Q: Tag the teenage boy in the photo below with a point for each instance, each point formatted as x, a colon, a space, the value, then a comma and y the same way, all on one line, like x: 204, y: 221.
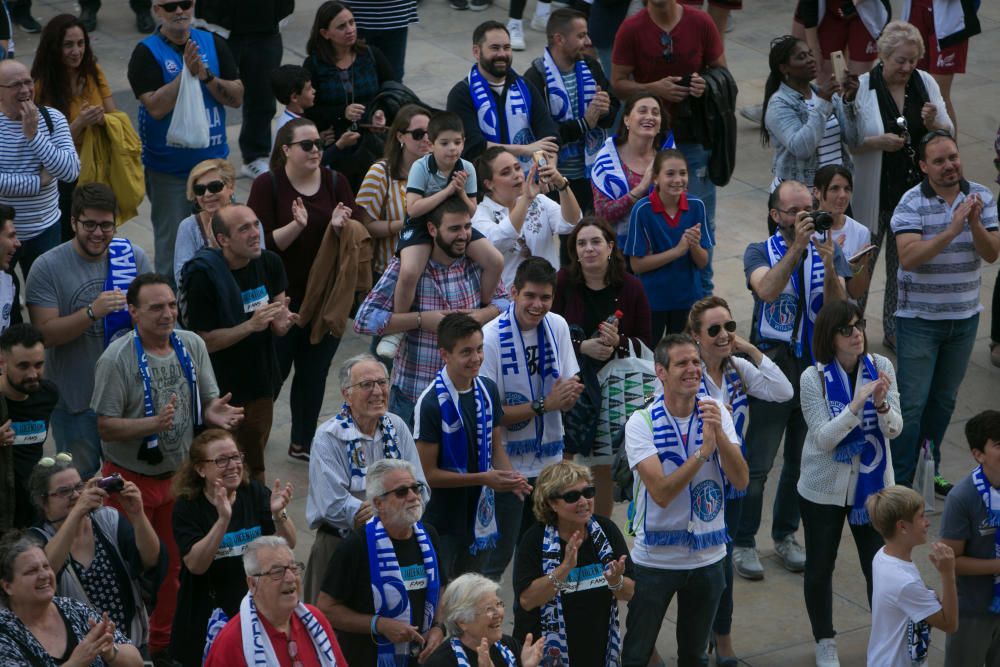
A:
x: 903, y: 609
x: 440, y: 174
x: 970, y: 525
x: 456, y: 426
x: 292, y: 86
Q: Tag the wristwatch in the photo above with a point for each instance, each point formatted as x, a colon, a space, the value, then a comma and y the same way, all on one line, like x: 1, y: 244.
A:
x: 281, y: 518
x: 209, y: 77
x: 90, y: 312
x: 538, y: 405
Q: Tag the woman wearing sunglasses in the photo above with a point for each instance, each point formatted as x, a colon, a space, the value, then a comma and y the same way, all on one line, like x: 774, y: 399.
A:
x: 219, y: 511
x: 850, y: 403
x: 570, y: 572
x: 97, y: 553
x: 734, y: 380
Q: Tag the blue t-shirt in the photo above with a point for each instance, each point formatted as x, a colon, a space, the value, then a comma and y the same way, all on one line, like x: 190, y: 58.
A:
x: 425, y: 179
x: 677, y: 285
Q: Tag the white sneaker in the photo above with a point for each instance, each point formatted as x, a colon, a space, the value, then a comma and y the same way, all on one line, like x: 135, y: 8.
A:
x: 753, y: 113
x: 388, y: 346
x: 826, y: 653
x: 793, y: 556
x: 540, y: 22
x: 516, y: 30
x: 254, y: 169
x: 747, y: 564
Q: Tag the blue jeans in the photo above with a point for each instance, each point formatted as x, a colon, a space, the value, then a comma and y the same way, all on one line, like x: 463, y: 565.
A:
x: 931, y: 357
x: 697, y: 591
x: 168, y: 205
x: 702, y: 187
x: 401, y: 406
x: 392, y: 44
x: 256, y: 56
x: 76, y: 433
x: 514, y: 516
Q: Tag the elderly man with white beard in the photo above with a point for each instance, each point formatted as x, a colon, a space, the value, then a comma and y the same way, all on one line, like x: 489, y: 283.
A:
x: 383, y: 571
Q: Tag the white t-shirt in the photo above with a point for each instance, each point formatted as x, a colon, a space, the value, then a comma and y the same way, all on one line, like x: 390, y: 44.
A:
x: 855, y: 237
x: 901, y: 602
x: 639, y: 447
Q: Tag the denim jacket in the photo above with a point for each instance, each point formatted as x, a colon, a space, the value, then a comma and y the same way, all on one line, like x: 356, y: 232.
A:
x: 796, y: 132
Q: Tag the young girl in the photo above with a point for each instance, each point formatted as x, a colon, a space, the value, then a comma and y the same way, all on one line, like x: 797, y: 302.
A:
x: 832, y: 188
x: 668, y: 242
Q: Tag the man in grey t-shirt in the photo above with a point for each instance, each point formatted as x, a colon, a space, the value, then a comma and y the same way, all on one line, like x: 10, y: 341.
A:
x: 69, y: 302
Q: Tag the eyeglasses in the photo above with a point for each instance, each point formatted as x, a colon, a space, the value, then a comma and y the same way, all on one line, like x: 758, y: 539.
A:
x: 791, y: 211
x: 716, y: 329
x: 368, y: 385
x: 171, y: 7
x: 61, y: 457
x: 226, y: 461
x: 23, y: 83
x: 417, y: 134
x: 215, y: 187
x: 846, y: 331
x: 571, y: 497
x: 934, y: 134
x: 90, y: 225
x: 403, y: 491
x: 308, y: 145
x: 667, y: 42
x: 293, y: 653
x: 277, y: 573
x: 67, y: 491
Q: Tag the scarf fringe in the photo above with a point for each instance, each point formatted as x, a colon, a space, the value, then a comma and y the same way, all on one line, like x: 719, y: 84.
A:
x: 545, y: 450
x: 733, y: 493
x: 483, y: 544
x: 387, y: 661
x: 847, y: 451
x: 993, y: 518
x: 682, y: 538
x: 859, y: 517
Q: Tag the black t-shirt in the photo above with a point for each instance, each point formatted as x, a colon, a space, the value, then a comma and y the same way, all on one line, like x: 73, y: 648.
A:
x: 444, y: 656
x: 248, y: 369
x: 224, y: 584
x: 348, y: 580
x: 30, y: 421
x: 146, y: 76
x: 451, y: 509
x: 587, y: 610
x: 597, y: 305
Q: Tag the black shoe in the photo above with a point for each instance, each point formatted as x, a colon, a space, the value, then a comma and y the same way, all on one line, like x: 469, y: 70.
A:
x: 27, y: 22
x: 88, y: 17
x: 460, y: 4
x: 144, y: 22
x: 298, y: 452
x: 942, y: 487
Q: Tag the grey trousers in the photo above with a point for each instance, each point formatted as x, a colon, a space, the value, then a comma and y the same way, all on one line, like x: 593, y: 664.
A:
x: 319, y: 558
x: 975, y: 644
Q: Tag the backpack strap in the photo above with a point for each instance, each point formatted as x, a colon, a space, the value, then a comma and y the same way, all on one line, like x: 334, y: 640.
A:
x: 47, y: 117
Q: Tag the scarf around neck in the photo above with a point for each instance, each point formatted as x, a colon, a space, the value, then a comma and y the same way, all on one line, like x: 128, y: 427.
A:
x: 607, y: 173
x: 991, y: 501
x: 349, y: 433
x: 149, y: 451
x: 257, y: 648
x: 517, y: 113
x: 463, y: 660
x: 778, y: 318
x: 564, y: 109
x: 736, y: 396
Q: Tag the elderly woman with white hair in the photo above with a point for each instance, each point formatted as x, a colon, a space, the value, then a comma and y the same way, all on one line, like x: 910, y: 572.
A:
x: 344, y: 446
x: 473, y: 614
x: 896, y: 105
x: 274, y: 626
x: 383, y: 585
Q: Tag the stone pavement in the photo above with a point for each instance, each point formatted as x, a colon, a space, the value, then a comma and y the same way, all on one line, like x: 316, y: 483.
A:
x: 770, y: 626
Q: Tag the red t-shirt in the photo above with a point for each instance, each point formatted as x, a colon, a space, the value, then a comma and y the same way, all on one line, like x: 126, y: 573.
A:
x: 695, y: 42
x: 227, y: 649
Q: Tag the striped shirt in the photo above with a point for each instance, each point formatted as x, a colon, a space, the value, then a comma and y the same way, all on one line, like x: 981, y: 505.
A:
x: 383, y: 198
x: 384, y: 14
x: 21, y: 162
x: 828, y: 151
x: 946, y: 287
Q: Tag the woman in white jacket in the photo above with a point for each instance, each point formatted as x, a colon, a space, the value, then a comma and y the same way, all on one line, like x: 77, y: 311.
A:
x: 895, y: 106
x: 850, y: 404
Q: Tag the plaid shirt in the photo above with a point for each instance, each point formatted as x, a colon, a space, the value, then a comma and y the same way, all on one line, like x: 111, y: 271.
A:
x: 441, y: 287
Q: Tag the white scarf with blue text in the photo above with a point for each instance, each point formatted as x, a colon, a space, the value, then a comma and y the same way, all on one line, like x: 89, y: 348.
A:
x: 607, y: 173
x: 517, y: 113
x: 348, y: 432
x: 257, y: 648
x: 562, y: 108
x: 991, y: 500
x: 463, y: 660
x: 735, y: 396
x: 778, y: 318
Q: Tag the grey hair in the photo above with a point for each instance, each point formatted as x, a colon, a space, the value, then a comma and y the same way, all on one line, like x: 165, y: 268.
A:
x: 251, y: 562
x: 345, y: 369
x: 896, y: 34
x: 13, y: 545
x: 374, y: 479
x: 460, y: 599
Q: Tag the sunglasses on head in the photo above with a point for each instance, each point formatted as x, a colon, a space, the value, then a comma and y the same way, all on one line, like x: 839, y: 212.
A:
x: 308, y: 145
x: 215, y: 187
x: 847, y: 330
x: 571, y: 497
x: 716, y: 329
x: 403, y: 491
x: 417, y: 134
x: 171, y: 7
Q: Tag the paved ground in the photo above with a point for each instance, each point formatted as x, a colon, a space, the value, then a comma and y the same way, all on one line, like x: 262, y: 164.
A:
x: 771, y: 627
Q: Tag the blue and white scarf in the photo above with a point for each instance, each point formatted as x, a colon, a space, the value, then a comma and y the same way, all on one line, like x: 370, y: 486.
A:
x: 991, y: 500
x: 553, y: 621
x: 257, y: 648
x: 545, y: 439
x: 562, y: 108
x: 865, y: 440
x: 455, y: 448
x: 121, y: 272
x: 463, y: 660
x: 348, y: 432
x: 607, y: 173
x: 736, y: 396
x: 777, y: 318
x: 701, y: 524
x: 517, y: 113
x: 389, y: 590
x: 151, y: 443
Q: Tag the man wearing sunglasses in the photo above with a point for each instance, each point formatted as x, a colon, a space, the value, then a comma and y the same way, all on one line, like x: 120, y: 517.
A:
x: 154, y: 74
x: 76, y: 298
x: 945, y: 227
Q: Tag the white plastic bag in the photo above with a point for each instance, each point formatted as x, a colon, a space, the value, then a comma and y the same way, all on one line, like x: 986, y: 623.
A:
x: 189, y: 123
x: 923, y: 478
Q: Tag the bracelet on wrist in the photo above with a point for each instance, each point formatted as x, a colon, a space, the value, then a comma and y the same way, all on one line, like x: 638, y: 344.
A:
x: 617, y: 587
x: 558, y: 584
x: 280, y: 518
x: 701, y: 457
x: 418, y: 319
x: 882, y: 408
x: 371, y: 626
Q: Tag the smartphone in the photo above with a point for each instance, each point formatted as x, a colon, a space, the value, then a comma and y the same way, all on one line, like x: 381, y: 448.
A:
x: 839, y: 66
x: 540, y: 159
x: 861, y: 253
x: 685, y: 81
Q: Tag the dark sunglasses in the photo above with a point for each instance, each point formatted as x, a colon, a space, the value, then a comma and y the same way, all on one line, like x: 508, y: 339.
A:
x: 215, y: 187
x: 571, y: 497
x: 934, y: 134
x: 846, y: 331
x: 667, y: 42
x: 417, y: 134
x: 716, y: 329
x: 308, y: 145
x: 403, y: 491
x: 171, y: 7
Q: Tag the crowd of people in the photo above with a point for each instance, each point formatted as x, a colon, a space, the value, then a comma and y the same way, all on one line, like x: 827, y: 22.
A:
x: 515, y: 387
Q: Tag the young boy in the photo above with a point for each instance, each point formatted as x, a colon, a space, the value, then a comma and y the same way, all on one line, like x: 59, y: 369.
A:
x: 903, y: 609
x: 970, y: 526
x: 292, y: 87
x: 433, y: 179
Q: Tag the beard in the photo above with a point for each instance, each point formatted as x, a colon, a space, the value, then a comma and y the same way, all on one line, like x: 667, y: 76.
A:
x: 28, y: 387
x: 449, y: 248
x: 489, y: 66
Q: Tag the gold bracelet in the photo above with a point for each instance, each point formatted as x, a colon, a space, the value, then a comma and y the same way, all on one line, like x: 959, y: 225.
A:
x: 418, y: 319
